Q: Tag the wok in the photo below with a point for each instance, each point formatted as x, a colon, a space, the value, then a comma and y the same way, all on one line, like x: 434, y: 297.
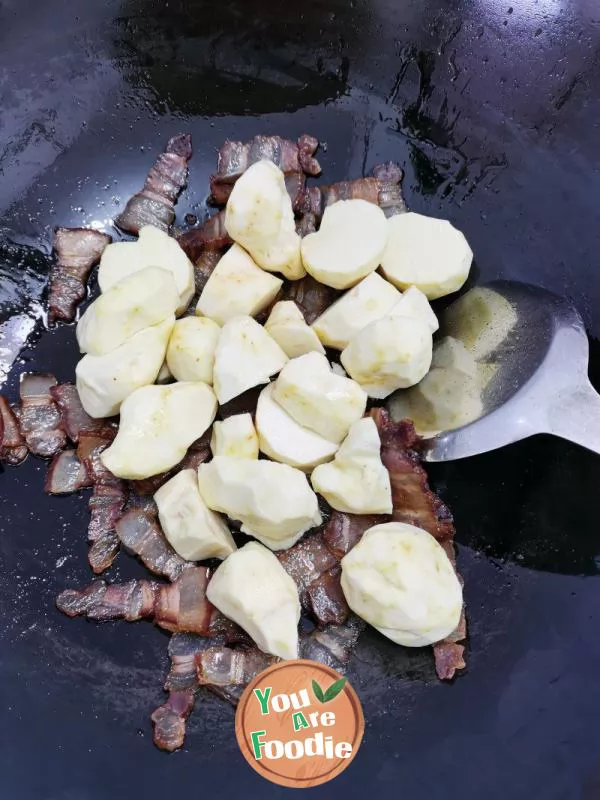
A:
x: 493, y: 110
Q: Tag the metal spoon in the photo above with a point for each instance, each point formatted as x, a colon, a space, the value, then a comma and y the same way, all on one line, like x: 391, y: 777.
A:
x: 534, y: 343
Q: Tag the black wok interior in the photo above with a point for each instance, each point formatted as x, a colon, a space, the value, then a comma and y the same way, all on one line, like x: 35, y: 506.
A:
x: 493, y: 109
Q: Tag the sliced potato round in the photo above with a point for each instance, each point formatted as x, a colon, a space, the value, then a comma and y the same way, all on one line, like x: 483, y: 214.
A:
x: 237, y: 287
x: 399, y: 579
x: 391, y: 353
x: 369, y: 300
x: 153, y: 248
x: 427, y: 253
x: 103, y: 382
x: 246, y: 356
x: 348, y: 245
x: 283, y: 439
x: 191, y: 350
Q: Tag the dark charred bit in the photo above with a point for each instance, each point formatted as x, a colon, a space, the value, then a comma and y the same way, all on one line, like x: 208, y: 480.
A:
x: 325, y: 599
x: 74, y: 419
x: 66, y: 474
x: 211, y: 235
x: 155, y: 203
x: 311, y: 297
x: 141, y: 534
x: 77, y: 251
x: 179, y: 607
x: 235, y: 158
x: 38, y: 415
x: 13, y: 449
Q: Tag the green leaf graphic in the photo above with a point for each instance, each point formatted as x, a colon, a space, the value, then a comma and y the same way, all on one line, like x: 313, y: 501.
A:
x: 334, y: 690
x: 318, y: 692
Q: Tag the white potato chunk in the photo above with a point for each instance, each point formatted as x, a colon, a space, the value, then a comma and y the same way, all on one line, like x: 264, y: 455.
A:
x: 259, y: 216
x: 337, y: 369
x: 391, y: 353
x: 348, y: 245
x: 287, y: 326
x: 103, y: 382
x: 246, y: 356
x: 428, y: 253
x: 399, y: 579
x: 283, y: 439
x: 192, y: 529
x: 191, y: 350
x: 274, y: 502
x: 253, y: 589
x: 158, y: 424
x: 140, y: 300
x: 317, y: 398
x: 369, y: 300
x: 236, y: 437
x: 413, y: 303
x: 356, y: 481
x: 154, y: 248
x: 449, y: 396
x: 237, y: 287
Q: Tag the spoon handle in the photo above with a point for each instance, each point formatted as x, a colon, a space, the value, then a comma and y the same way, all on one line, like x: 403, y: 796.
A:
x: 575, y: 415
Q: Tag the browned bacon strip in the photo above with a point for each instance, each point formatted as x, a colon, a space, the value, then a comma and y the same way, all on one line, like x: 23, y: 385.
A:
x: 235, y: 158
x: 107, y: 501
x: 140, y: 533
x: 155, y: 203
x: 449, y: 657
x: 311, y: 297
x: 227, y: 672
x: 66, y: 474
x: 334, y: 644
x: 306, y: 561
x: 77, y: 251
x: 39, y: 419
x: 413, y: 500
x: 343, y: 531
x: 383, y: 189
x: 179, y: 607
x: 12, y: 444
x: 74, y: 419
x: 203, y: 268
x: 325, y: 598
x: 212, y: 235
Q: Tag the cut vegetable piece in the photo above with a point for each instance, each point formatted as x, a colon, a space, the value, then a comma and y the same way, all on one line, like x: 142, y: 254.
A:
x: 103, y: 382
x: 274, y: 502
x: 259, y: 216
x: 369, y: 300
x: 237, y: 287
x: 287, y: 326
x: 391, y: 353
x: 356, y: 480
x: 400, y: 580
x: 283, y: 439
x: 253, y: 589
x: 317, y: 398
x: 413, y: 303
x: 246, y: 356
x: 192, y: 529
x: 235, y: 437
x: 158, y: 424
x: 427, y: 253
x: 349, y: 244
x: 139, y: 301
x: 154, y: 248
x: 191, y: 350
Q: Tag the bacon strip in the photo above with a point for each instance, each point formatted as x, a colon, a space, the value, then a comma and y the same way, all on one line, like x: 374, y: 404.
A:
x: 198, y: 453
x: 77, y: 251
x: 212, y: 235
x: 74, y: 419
x: 66, y: 474
x: 155, y: 203
x: 13, y: 449
x: 39, y: 419
x: 179, y: 607
x: 325, y: 598
x: 334, y: 644
x: 343, y: 531
x: 235, y: 158
x: 106, y: 503
x: 140, y: 533
x: 383, y: 189
x: 311, y: 297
